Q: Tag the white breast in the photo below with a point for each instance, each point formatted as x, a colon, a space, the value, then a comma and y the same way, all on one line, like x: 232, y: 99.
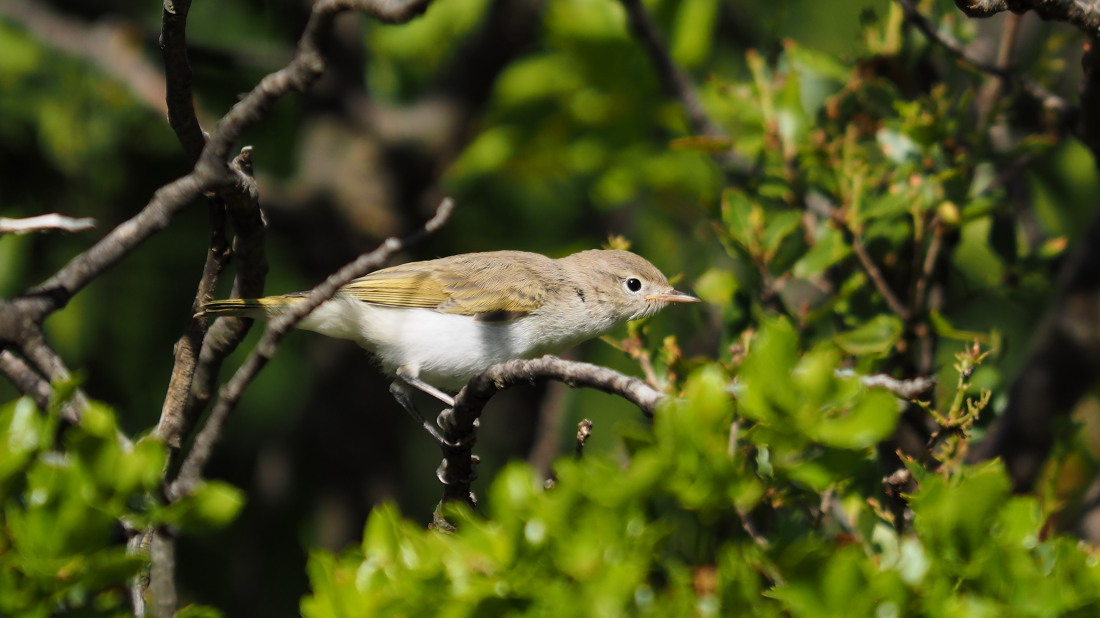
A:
x: 445, y: 350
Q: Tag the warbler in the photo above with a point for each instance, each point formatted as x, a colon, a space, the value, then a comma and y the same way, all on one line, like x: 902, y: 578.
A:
x: 436, y: 324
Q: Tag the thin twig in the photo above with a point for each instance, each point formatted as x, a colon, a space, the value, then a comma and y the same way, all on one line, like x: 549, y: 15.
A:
x: 1033, y: 89
x: 548, y: 438
x: 910, y: 388
x: 990, y: 93
x: 26, y: 380
x: 928, y: 267
x: 56, y: 291
x: 191, y: 469
x: 223, y: 337
x: 49, y: 364
x: 854, y: 238
x: 184, y: 399
x: 41, y: 223
x: 676, y: 83
x: 177, y: 78
x: 872, y: 270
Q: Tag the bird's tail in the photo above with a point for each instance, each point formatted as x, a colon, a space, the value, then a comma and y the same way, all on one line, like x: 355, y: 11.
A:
x: 249, y: 307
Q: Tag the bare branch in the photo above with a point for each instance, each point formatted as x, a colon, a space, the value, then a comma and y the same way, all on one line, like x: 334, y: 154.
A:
x: 1085, y: 14
x: 162, y: 559
x: 460, y: 423
x: 1047, y: 98
x: 56, y: 291
x: 548, y: 438
x: 277, y: 328
x: 180, y: 403
x: 49, y: 363
x: 1088, y: 129
x: 177, y: 77
x: 211, y: 172
x: 185, y: 398
x: 676, y: 83
x: 196, y: 367
x: 904, y: 388
x: 873, y: 271
x: 42, y: 223
x: 27, y: 380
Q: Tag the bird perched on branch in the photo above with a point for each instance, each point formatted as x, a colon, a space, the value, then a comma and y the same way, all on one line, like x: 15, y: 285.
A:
x: 436, y: 324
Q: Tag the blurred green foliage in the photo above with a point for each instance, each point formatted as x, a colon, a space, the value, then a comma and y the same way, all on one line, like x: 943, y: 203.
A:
x: 676, y: 530
x: 894, y: 209
x: 67, y: 505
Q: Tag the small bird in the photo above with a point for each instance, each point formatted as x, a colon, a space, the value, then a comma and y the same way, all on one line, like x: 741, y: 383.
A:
x: 436, y: 324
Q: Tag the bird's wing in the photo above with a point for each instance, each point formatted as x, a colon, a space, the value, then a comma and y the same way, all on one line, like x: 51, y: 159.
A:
x: 488, y: 289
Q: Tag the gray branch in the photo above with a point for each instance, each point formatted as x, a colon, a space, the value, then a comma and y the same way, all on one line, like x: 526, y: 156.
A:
x: 42, y: 223
x: 27, y: 380
x: 1085, y: 14
x: 460, y: 423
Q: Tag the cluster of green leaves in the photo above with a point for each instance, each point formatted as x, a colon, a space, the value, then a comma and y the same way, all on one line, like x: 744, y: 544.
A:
x: 877, y: 222
x: 68, y: 495
x: 861, y: 166
x: 762, y: 505
x: 760, y: 490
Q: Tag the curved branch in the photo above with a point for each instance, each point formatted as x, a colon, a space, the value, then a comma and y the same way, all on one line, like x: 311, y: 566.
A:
x: 1085, y: 14
x: 177, y: 78
x: 56, y: 291
x: 460, y: 423
x: 27, y: 380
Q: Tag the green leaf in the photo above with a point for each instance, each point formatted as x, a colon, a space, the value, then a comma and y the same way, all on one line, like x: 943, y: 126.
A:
x: 954, y: 516
x: 212, y: 505
x: 868, y: 421
x: 779, y: 226
x: 716, y: 287
x: 693, y: 31
x: 741, y: 218
x: 23, y: 431
x: 877, y: 336
x: 766, y: 371
x: 828, y: 249
x: 198, y: 611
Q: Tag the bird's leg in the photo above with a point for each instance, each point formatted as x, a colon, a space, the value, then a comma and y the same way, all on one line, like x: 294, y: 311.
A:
x: 409, y: 377
x: 401, y: 394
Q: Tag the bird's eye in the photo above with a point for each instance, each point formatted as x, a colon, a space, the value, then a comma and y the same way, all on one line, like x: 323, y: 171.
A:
x: 632, y: 284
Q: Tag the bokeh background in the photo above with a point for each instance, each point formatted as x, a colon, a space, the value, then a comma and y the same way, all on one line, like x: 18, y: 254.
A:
x: 544, y: 120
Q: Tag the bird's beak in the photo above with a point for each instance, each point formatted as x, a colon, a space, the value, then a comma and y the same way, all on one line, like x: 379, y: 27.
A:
x: 672, y: 296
